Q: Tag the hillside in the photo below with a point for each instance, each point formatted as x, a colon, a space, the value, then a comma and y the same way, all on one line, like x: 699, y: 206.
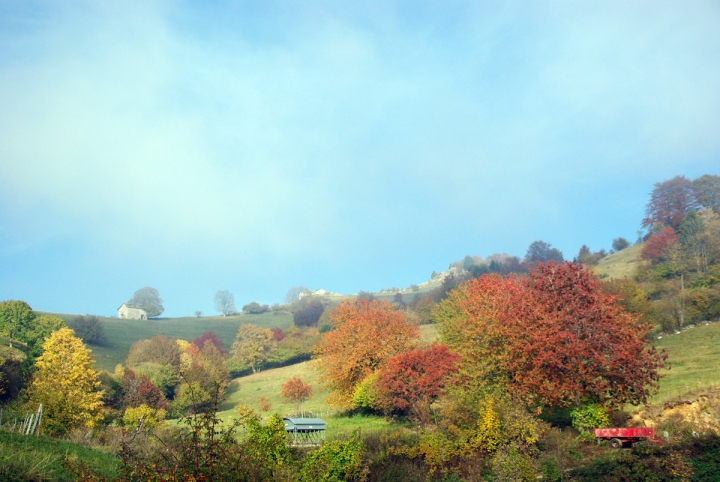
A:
x: 122, y: 333
x: 619, y: 265
x: 694, y: 357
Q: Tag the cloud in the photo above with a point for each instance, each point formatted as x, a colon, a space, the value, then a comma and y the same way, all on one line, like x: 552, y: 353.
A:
x: 260, y: 134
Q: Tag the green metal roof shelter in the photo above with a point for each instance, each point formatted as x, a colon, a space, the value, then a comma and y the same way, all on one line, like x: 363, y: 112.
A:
x: 305, y: 431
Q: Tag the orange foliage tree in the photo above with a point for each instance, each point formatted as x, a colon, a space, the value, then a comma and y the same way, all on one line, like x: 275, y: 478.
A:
x: 365, y: 334
x: 554, y: 338
x: 296, y: 391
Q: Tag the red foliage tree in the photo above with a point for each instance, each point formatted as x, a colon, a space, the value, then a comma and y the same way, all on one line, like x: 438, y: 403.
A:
x: 278, y: 334
x: 210, y: 336
x: 573, y: 343
x: 657, y: 247
x: 138, y: 390
x: 296, y: 391
x: 555, y: 338
x: 669, y: 202
x: 415, y: 377
x: 365, y: 335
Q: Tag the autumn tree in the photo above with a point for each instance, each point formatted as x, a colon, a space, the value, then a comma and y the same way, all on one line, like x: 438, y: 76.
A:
x: 211, y: 337
x: 139, y: 390
x: 553, y: 339
x: 296, y: 391
x: 225, y: 302
x: 669, y: 202
x: 657, y: 247
x: 365, y: 334
x: 66, y: 384
x: 148, y: 299
x: 412, y: 380
x: 252, y: 346
x: 158, y: 349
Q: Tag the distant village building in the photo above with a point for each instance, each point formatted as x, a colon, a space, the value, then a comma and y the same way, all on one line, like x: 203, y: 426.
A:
x: 320, y: 292
x: 131, y: 313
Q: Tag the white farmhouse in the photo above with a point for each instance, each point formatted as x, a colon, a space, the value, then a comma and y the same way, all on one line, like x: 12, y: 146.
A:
x: 131, y: 313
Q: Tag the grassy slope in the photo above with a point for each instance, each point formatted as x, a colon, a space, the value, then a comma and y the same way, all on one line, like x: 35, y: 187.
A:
x: 694, y: 356
x: 268, y: 384
x: 620, y: 264
x: 123, y: 333
x: 27, y: 457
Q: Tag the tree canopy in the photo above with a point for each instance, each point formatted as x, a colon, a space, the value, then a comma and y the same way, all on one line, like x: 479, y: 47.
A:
x: 148, y: 299
x: 365, y: 335
x: 554, y: 338
x: 252, y: 345
x: 19, y: 322
x: 540, y: 251
x: 66, y: 384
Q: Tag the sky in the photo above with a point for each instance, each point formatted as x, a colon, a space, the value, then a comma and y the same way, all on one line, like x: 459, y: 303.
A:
x: 255, y: 146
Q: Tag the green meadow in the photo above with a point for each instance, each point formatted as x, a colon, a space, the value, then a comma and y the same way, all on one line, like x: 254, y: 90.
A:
x: 621, y: 264
x: 122, y: 333
x: 694, y: 356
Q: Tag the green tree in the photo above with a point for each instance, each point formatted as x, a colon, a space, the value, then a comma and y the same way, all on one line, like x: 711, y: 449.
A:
x: 148, y: 299
x: 19, y: 322
x: 252, y: 345
x: 66, y: 384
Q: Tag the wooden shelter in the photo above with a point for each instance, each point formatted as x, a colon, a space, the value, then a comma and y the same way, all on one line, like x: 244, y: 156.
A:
x: 305, y: 431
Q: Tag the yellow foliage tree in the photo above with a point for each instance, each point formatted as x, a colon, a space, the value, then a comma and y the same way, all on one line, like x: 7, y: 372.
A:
x: 252, y: 346
x: 66, y: 384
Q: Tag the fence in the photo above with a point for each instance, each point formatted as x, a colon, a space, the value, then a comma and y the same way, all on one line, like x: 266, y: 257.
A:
x: 30, y: 425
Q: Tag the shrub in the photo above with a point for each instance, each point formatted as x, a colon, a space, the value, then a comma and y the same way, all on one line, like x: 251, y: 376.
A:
x: 152, y: 417
x: 255, y: 308
x: 335, y: 461
x: 309, y: 315
x: 90, y: 329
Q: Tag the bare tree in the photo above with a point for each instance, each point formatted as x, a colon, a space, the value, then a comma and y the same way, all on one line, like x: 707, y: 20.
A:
x: 293, y: 294
x: 225, y: 302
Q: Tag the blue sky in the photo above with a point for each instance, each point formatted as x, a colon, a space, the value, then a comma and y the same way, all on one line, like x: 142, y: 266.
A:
x: 255, y: 146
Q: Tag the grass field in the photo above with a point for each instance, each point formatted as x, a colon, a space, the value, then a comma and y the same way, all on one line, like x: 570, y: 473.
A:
x: 37, y: 458
x: 621, y: 264
x: 694, y: 356
x: 122, y: 333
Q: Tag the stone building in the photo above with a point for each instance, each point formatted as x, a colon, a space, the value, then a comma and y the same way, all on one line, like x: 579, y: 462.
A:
x: 131, y: 313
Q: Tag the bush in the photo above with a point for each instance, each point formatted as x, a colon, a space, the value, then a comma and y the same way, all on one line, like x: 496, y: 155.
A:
x: 255, y: 308
x: 90, y: 329
x: 309, y: 315
x: 335, y: 461
x: 152, y: 417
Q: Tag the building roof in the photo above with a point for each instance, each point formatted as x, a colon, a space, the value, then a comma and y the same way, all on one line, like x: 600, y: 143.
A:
x: 304, y: 424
